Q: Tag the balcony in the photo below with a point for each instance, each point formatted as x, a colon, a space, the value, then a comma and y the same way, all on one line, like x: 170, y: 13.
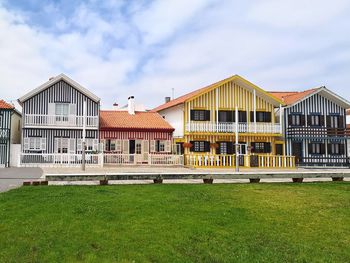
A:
x: 70, y: 121
x: 4, y: 134
x: 320, y: 132
x: 230, y: 127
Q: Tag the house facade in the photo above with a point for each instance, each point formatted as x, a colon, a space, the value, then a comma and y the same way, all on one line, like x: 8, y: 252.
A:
x: 315, y: 127
x: 135, y: 137
x: 53, y: 123
x: 6, y: 111
x: 210, y: 121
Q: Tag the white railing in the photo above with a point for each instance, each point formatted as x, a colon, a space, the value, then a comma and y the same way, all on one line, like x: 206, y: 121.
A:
x: 4, y: 134
x: 229, y: 161
x: 231, y: 127
x: 59, y: 120
x: 165, y: 159
x: 59, y: 160
x: 133, y: 159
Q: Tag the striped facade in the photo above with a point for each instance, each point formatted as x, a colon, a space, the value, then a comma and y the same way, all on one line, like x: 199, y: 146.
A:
x: 300, y: 139
x: 135, y: 135
x: 5, y: 134
x: 53, y: 118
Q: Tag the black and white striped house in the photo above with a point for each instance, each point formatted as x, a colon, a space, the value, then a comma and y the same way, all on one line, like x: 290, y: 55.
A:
x: 315, y: 127
x: 6, y: 111
x: 53, y: 120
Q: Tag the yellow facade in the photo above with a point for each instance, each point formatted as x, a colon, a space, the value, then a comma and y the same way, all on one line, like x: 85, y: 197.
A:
x: 227, y: 96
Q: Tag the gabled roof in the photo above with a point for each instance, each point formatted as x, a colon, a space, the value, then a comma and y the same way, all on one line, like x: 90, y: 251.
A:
x: 140, y: 121
x: 5, y: 105
x: 53, y: 81
x: 292, y: 98
x: 194, y: 94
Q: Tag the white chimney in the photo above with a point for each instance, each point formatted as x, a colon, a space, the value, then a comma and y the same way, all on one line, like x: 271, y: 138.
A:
x: 115, y: 106
x: 131, y: 105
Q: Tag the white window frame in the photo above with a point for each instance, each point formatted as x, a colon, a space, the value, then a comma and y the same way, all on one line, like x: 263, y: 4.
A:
x: 38, y: 143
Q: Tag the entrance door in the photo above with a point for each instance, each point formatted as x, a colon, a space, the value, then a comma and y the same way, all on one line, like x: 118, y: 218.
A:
x: 297, y: 151
x: 131, y: 146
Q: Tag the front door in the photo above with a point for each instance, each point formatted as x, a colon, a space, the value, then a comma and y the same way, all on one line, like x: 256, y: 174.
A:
x: 297, y: 151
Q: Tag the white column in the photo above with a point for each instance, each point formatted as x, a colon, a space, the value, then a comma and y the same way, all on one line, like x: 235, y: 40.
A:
x: 217, y: 108
x: 254, y: 109
x: 189, y: 116
x: 84, y: 135
x: 237, y: 152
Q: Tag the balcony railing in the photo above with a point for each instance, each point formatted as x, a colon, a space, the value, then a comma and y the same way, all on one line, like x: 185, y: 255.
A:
x: 231, y: 127
x: 41, y: 120
x: 317, y: 132
x: 4, y: 134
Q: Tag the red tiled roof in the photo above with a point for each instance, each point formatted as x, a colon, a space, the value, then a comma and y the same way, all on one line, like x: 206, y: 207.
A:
x: 5, y: 105
x: 141, y: 120
x: 290, y: 97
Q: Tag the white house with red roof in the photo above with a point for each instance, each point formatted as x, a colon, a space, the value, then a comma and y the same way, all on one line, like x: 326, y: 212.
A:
x: 136, y: 137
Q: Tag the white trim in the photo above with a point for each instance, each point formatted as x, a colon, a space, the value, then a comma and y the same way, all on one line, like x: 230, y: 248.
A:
x: 54, y: 81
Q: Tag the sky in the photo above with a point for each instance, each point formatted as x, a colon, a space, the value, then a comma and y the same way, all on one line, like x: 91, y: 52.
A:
x: 150, y: 48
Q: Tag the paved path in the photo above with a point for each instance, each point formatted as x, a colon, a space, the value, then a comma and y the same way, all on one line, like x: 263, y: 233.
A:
x: 13, y: 177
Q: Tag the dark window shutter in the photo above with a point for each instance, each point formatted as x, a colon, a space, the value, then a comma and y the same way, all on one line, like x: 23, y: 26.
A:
x: 321, y: 120
x: 217, y: 150
x: 322, y: 148
x: 309, y: 147
x: 309, y: 123
x: 329, y: 148
x: 341, y: 148
x: 252, y: 116
x: 192, y: 115
x: 290, y: 120
x: 192, y: 147
x: 206, y: 146
x: 328, y: 119
x: 341, y: 122
x: 267, y: 147
x: 207, y: 115
x: 230, y: 148
x: 302, y: 120
x: 252, y: 145
x: 267, y: 116
x: 233, y: 116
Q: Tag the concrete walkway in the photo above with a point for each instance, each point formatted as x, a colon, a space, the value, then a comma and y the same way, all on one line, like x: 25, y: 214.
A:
x: 14, y: 177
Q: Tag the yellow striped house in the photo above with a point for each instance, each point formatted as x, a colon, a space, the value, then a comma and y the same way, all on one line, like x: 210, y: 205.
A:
x: 206, y: 125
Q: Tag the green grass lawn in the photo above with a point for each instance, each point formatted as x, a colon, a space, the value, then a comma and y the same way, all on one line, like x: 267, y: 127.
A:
x: 177, y: 223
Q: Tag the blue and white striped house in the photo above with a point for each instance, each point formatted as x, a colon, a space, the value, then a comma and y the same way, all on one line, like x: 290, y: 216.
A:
x: 315, y: 127
x: 6, y: 111
x: 53, y: 120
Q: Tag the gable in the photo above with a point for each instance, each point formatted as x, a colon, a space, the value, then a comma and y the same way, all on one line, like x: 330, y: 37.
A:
x: 60, y: 78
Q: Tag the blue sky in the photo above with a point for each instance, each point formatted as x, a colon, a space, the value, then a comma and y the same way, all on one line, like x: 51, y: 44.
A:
x: 147, y: 48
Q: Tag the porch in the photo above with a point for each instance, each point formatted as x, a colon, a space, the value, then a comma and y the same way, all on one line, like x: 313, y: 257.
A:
x: 43, y: 120
x: 245, y: 161
x: 230, y: 127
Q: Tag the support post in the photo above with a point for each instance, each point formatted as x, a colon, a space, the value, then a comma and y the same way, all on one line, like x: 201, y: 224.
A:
x: 254, y: 109
x: 237, y: 145
x: 281, y: 118
x: 84, y: 134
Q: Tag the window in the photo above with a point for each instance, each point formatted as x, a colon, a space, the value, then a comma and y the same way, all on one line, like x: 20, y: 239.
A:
x: 335, y: 121
x: 336, y: 148
x: 226, y: 116
x: 61, y: 111
x: 225, y: 148
x: 261, y: 116
x: 112, y: 145
x: 91, y: 145
x: 34, y: 144
x: 261, y: 147
x: 315, y: 120
x: 242, y: 116
x: 316, y: 148
x: 200, y: 115
x: 160, y: 146
x: 279, y: 149
x: 200, y: 146
x: 138, y: 147
x: 296, y: 120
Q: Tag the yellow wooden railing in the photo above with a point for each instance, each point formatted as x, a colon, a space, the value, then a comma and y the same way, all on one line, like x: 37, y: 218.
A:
x: 248, y: 161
